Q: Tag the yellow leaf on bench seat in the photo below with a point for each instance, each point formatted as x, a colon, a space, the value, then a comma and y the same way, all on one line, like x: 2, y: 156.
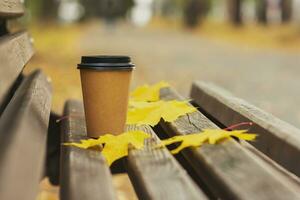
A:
x: 115, y: 147
x: 148, y: 93
x: 150, y: 113
x: 210, y: 136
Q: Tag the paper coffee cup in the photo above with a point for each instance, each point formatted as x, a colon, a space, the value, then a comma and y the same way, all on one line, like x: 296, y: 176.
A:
x: 105, y: 84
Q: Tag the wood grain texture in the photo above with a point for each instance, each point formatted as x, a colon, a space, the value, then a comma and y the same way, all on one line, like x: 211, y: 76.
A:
x: 84, y: 174
x: 271, y: 162
x: 23, y: 133
x: 277, y: 139
x: 15, y: 52
x: 156, y: 174
x: 11, y: 8
x: 230, y: 171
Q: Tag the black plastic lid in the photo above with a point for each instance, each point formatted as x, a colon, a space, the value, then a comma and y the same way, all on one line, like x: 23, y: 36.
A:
x: 106, y: 63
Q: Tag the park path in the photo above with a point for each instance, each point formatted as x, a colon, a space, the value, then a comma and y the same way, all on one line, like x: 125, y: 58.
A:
x: 269, y: 79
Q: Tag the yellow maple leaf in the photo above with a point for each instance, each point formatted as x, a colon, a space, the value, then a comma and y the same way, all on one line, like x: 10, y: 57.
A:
x: 150, y: 113
x: 210, y: 136
x: 140, y: 104
x: 148, y: 93
x: 85, y: 144
x: 115, y: 147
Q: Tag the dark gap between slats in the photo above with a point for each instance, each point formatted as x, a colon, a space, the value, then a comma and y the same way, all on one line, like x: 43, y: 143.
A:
x: 3, y: 27
x: 118, y: 167
x: 11, y: 93
x: 53, y: 149
x: 160, y: 132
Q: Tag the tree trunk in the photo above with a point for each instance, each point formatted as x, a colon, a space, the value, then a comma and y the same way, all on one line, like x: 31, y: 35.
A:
x: 261, y: 11
x: 49, y: 9
x: 195, y: 12
x: 234, y: 11
x: 286, y: 10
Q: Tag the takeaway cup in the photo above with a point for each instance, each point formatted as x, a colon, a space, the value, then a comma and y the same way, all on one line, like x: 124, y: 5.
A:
x: 105, y: 84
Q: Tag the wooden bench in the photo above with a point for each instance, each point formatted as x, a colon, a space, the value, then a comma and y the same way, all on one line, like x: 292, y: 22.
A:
x: 30, y: 142
x: 230, y: 170
x: 25, y: 103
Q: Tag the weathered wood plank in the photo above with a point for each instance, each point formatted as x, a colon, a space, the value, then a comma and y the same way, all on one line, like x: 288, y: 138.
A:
x: 11, y: 8
x: 23, y: 133
x: 231, y: 172
x: 84, y: 174
x: 277, y: 139
x: 271, y: 162
x: 15, y: 52
x: 156, y: 174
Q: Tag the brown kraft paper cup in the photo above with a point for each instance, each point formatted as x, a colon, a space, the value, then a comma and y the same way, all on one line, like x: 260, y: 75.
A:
x: 105, y: 84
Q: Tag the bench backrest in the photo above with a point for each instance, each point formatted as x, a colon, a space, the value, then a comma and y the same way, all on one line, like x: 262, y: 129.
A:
x: 24, y: 111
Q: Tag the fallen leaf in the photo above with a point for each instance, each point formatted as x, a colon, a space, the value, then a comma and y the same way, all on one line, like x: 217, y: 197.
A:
x: 148, y: 93
x: 150, y: 113
x: 115, y: 147
x: 85, y: 144
x: 140, y: 104
x: 210, y: 136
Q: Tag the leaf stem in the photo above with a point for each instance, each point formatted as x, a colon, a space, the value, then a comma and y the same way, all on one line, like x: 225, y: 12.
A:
x: 238, y: 125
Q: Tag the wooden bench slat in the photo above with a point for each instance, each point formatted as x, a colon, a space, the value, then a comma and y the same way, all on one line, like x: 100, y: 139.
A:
x: 15, y: 52
x: 277, y: 139
x: 11, y: 8
x: 156, y: 174
x: 84, y: 174
x: 232, y: 172
x: 271, y: 162
x: 23, y: 133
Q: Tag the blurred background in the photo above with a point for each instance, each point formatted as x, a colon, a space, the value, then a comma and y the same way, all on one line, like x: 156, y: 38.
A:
x: 250, y: 47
